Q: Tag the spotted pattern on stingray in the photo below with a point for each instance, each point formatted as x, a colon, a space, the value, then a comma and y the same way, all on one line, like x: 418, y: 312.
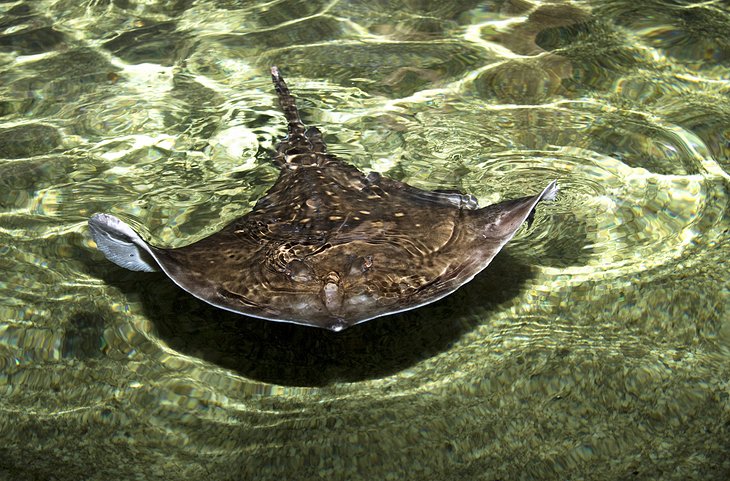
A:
x: 329, y: 246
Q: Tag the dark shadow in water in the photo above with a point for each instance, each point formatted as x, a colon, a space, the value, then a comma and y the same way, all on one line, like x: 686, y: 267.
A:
x: 289, y: 354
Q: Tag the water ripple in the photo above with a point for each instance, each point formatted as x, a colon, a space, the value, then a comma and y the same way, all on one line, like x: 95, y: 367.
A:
x: 614, y: 300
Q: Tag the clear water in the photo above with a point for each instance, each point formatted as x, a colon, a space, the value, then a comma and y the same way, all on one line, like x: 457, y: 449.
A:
x: 597, y: 346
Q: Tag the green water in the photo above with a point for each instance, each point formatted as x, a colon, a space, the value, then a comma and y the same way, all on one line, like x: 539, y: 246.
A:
x: 596, y: 346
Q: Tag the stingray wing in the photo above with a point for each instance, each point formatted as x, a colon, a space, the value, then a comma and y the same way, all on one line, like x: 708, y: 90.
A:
x: 412, y: 279
x: 121, y: 244
x: 226, y: 269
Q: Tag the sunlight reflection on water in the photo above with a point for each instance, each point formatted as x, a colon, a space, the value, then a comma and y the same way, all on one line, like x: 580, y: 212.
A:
x: 599, y: 334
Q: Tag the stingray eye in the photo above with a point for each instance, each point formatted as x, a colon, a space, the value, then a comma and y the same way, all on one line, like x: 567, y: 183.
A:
x: 312, y: 132
x: 299, y: 271
x: 373, y: 177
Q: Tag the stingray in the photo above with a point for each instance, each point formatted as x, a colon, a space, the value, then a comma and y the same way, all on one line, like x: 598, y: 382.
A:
x: 327, y: 245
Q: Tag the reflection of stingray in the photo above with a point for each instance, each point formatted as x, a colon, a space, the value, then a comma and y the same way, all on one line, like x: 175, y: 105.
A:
x: 328, y: 246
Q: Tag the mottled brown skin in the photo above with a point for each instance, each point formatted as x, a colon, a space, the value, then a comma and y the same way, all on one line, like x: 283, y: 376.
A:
x: 328, y: 246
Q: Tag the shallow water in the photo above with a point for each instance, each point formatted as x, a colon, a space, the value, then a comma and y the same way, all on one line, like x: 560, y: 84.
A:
x: 596, y: 346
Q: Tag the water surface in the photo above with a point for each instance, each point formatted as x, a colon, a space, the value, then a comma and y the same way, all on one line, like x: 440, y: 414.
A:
x: 596, y: 346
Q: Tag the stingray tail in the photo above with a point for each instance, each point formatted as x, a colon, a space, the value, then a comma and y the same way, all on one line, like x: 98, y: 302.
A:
x: 287, y: 102
x: 121, y: 244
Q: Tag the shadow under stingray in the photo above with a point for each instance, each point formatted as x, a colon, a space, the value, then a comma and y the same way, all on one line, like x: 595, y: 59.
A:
x: 290, y: 354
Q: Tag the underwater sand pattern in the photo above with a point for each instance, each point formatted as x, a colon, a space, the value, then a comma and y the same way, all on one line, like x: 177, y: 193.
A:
x: 596, y: 347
